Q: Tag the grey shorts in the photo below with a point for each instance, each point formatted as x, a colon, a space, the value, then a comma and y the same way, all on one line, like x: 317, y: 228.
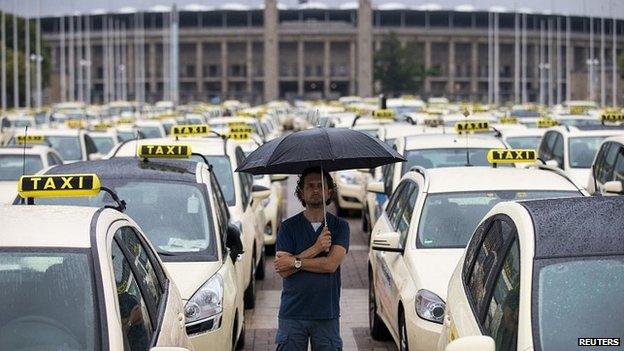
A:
x: 323, y: 335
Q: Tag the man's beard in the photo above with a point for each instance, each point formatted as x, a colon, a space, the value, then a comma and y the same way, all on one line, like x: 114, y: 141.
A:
x: 314, y: 203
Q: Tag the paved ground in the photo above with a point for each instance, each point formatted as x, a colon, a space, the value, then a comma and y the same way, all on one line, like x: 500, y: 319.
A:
x: 261, y: 323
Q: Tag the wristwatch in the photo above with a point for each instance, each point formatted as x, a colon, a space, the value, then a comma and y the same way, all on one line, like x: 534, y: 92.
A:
x: 297, y: 263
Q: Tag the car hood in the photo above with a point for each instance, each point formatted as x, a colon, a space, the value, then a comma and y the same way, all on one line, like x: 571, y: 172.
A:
x: 190, y: 276
x: 432, y: 268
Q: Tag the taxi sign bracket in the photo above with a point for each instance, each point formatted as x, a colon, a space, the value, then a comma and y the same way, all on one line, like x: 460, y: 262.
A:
x: 121, y: 204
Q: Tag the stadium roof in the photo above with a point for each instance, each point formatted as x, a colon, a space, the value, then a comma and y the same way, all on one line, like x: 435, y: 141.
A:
x: 596, y: 8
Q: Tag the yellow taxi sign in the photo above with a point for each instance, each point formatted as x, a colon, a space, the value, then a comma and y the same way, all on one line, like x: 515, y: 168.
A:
x: 239, y: 131
x: 384, y: 113
x: 612, y: 117
x: 102, y: 126
x: 75, y: 123
x: 472, y: 126
x: 546, y: 123
x: 125, y: 120
x: 29, y: 139
x: 190, y: 130
x: 164, y: 151
x: 508, y: 120
x: 578, y: 110
x: 512, y: 156
x: 58, y: 185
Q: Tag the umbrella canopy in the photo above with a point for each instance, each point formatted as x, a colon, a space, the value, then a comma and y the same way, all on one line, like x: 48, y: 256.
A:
x: 332, y: 149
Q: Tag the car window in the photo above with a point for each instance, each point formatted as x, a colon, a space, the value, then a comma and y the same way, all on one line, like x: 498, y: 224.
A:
x: 473, y: 247
x: 388, y: 176
x: 618, y: 171
x: 582, y: 150
x: 135, y: 321
x: 146, y: 273
x: 545, y: 149
x: 403, y: 221
x: 501, y: 320
x: 609, y: 153
x: 222, y: 214
x: 90, y: 145
x: 489, y: 256
x: 395, y: 203
x: 557, y: 150
x: 14, y: 166
x: 245, y: 178
x: 51, y: 159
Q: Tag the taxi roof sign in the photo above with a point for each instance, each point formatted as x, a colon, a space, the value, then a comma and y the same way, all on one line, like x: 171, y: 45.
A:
x: 508, y: 120
x: 512, y: 156
x: 75, y: 123
x: 546, y: 123
x: 65, y: 185
x: 102, y: 126
x: 579, y: 110
x: 29, y: 139
x: 472, y: 126
x: 384, y: 113
x: 239, y: 131
x: 164, y: 151
x: 612, y: 117
x: 179, y: 130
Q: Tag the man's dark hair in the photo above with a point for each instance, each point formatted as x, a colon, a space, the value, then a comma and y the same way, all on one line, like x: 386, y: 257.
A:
x: 329, y: 184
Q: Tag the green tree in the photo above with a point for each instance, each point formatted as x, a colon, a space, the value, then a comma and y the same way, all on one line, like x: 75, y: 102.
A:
x: 398, y: 68
x: 21, y: 49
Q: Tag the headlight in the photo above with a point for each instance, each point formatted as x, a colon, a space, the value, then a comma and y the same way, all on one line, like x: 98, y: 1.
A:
x: 430, y: 306
x: 206, y: 302
x: 348, y: 178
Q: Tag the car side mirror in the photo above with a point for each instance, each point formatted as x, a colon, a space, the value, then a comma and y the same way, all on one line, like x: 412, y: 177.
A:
x: 388, y: 242
x: 613, y: 187
x: 472, y: 343
x: 278, y: 177
x: 552, y: 163
x: 375, y: 187
x: 233, y: 242
x: 95, y: 156
x: 259, y: 192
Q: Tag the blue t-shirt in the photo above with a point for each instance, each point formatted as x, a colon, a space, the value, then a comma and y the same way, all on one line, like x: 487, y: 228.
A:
x: 307, y: 295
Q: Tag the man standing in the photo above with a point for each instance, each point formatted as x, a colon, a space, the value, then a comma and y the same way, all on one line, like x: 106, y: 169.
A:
x: 308, y: 256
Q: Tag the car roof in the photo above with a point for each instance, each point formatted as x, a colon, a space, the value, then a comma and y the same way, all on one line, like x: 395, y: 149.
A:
x: 588, y: 130
x: 510, y: 133
x: 454, y: 179
x: 133, y: 168
x: 236, y: 119
x: 583, y: 226
x: 615, y: 138
x: 60, y: 132
x: 439, y: 141
x: 47, y: 226
x: 204, y: 146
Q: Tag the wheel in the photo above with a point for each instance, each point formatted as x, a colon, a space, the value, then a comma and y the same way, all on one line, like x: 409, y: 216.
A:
x: 403, y: 341
x: 241, y: 339
x: 378, y: 329
x: 250, y: 293
x: 260, y: 271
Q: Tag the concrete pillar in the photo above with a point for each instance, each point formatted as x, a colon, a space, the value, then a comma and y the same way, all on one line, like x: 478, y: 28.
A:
x: 451, y: 68
x: 365, y: 48
x: 352, y: 68
x: 474, y: 69
x: 224, y: 69
x: 271, y: 50
x: 300, y: 66
x: 152, y: 67
x: 326, y: 68
x: 199, y: 69
x: 536, y: 63
x: 427, y: 66
x: 249, y: 64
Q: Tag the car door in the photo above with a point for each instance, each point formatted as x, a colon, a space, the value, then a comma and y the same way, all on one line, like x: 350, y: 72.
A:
x: 545, y: 148
x: 605, y: 163
x: 150, y: 307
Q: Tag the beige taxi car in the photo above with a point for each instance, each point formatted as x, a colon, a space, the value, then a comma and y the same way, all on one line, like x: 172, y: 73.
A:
x: 423, y: 231
x: 540, y: 275
x: 82, y: 278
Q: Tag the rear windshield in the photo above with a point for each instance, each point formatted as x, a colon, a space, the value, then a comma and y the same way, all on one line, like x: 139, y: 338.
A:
x: 14, y: 166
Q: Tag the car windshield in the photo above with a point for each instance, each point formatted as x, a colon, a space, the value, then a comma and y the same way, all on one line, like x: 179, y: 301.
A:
x: 524, y: 142
x: 67, y: 146
x: 222, y: 169
x: 449, y: 219
x: 126, y: 135
x: 47, y: 300
x: 151, y: 132
x: 21, y: 123
x: 575, y: 298
x: 580, y: 122
x: 104, y: 144
x: 173, y: 215
x: 14, y: 166
x: 439, y: 158
x: 583, y: 149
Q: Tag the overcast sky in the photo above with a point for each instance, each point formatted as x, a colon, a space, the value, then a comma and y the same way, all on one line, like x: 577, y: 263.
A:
x: 606, y: 8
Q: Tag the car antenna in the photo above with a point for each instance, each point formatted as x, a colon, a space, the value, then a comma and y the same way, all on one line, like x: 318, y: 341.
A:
x: 24, y: 150
x: 466, y: 113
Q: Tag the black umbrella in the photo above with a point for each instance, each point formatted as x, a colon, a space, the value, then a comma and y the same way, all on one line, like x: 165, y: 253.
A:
x: 331, y: 149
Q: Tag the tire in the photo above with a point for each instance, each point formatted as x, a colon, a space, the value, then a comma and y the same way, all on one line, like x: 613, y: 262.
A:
x: 250, y: 293
x: 260, y: 270
x: 241, y: 339
x: 403, y: 339
x: 377, y: 328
